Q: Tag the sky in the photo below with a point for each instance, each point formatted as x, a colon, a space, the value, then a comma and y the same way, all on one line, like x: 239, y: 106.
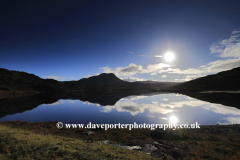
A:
x: 69, y: 40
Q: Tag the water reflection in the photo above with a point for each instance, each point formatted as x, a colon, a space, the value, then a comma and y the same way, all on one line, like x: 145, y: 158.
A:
x: 135, y: 108
x: 121, y: 108
x: 177, y: 104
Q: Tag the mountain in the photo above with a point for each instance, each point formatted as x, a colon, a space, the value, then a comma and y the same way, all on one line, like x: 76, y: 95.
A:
x: 223, y: 81
x: 22, y: 81
x: 108, y: 82
x: 104, y: 78
x: 100, y: 83
x: 105, y: 83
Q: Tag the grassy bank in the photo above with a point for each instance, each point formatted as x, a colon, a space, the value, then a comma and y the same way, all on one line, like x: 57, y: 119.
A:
x: 42, y: 140
x: 16, y: 143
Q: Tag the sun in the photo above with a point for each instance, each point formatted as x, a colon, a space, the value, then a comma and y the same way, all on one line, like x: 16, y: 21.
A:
x: 169, y: 56
x: 173, y: 119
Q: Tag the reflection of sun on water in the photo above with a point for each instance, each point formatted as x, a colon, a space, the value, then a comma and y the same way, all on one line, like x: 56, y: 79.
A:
x: 173, y: 119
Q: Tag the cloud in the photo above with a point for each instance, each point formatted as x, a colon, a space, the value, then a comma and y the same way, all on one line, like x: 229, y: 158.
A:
x: 91, y: 75
x: 164, y: 76
x: 132, y: 79
x: 233, y: 120
x: 155, y: 67
x: 72, y: 78
x: 129, y: 52
x: 152, y: 74
x: 55, y: 103
x: 71, y: 101
x: 132, y: 98
x: 141, y: 55
x: 89, y: 103
x: 221, y: 109
x: 165, y: 99
x: 133, y: 69
x: 188, y: 78
x: 217, y: 108
x: 178, y: 71
x: 106, y: 70
x: 180, y: 104
x: 54, y: 77
x: 135, y: 108
x: 227, y: 49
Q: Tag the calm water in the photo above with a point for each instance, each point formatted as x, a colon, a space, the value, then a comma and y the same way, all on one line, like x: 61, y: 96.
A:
x: 140, y: 109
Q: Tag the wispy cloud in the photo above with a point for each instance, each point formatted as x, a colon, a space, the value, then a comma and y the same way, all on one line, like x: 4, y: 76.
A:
x: 72, y: 78
x: 133, y: 98
x: 133, y: 69
x: 55, y: 103
x: 228, y: 51
x: 141, y: 55
x: 233, y: 120
x: 134, y: 108
x: 164, y: 76
x: 132, y: 79
x: 153, y: 74
x: 54, y: 77
x: 129, y: 52
x: 228, y: 47
x: 188, y: 78
x: 91, y: 75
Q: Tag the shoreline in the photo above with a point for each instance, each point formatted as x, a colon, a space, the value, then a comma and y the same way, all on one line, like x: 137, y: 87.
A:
x: 211, y: 129
x: 173, y: 144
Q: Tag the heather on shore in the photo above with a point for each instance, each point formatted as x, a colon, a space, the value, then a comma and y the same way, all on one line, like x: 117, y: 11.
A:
x: 42, y: 140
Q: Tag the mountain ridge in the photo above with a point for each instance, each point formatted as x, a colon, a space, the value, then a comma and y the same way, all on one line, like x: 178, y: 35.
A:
x: 228, y: 80
x: 16, y: 81
x: 106, y: 83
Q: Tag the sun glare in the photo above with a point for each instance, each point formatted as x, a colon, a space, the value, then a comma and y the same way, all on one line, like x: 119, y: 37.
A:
x: 169, y: 56
x: 173, y: 119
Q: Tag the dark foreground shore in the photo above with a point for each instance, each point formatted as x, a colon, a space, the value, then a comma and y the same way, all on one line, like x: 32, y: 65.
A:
x: 208, y: 142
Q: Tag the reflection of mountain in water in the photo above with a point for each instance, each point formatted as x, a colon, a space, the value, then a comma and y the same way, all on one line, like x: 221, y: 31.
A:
x: 161, y: 106
x: 227, y: 99
x: 110, y: 102
x: 12, y: 105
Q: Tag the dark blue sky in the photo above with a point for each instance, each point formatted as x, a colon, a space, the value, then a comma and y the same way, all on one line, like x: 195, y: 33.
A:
x: 70, y: 39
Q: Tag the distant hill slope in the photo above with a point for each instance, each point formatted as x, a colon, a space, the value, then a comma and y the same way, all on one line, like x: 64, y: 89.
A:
x: 222, y: 81
x: 112, y: 82
x: 94, y: 82
x: 104, y: 78
x: 103, y: 83
x: 22, y: 81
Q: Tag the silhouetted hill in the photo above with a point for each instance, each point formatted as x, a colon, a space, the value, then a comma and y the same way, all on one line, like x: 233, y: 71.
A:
x: 22, y: 81
x: 104, y: 78
x: 103, y: 84
x: 108, y: 82
x: 222, y: 81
